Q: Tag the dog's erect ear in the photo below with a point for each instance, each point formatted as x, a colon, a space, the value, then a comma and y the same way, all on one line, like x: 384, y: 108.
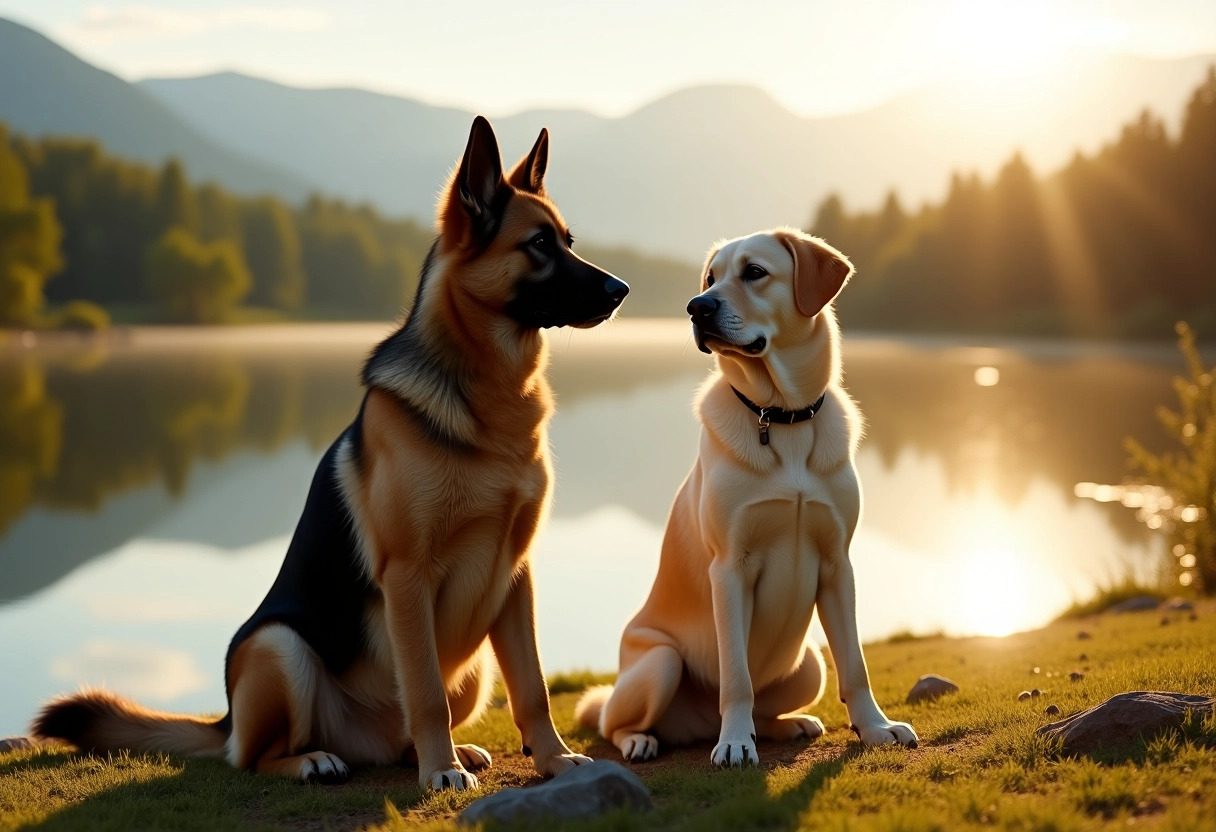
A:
x: 820, y: 271
x: 529, y: 174
x: 480, y: 174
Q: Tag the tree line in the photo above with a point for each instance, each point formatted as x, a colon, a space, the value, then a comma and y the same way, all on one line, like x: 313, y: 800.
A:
x: 1120, y: 243
x: 146, y: 241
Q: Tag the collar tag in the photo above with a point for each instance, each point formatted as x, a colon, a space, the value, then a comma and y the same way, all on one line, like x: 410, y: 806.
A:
x: 763, y: 423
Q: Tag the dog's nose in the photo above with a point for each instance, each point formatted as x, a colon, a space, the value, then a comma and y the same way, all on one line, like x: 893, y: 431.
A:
x: 702, y: 306
x: 616, y: 288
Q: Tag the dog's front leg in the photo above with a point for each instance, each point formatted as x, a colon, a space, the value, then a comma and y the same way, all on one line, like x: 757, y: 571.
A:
x: 837, y: 605
x: 410, y: 615
x: 732, y: 622
x: 513, y: 636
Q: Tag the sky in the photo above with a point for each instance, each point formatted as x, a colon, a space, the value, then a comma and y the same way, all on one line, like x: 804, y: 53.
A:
x: 611, y: 56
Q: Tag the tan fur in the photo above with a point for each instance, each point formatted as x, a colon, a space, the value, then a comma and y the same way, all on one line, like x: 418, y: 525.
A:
x: 758, y: 536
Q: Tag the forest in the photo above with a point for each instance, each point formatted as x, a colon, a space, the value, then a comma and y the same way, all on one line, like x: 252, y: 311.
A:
x: 1117, y: 244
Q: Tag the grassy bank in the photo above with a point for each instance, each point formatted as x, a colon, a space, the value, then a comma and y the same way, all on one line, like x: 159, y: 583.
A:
x: 978, y: 764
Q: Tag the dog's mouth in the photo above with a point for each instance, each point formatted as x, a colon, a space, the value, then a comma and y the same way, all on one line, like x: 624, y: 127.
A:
x: 593, y: 322
x: 709, y: 341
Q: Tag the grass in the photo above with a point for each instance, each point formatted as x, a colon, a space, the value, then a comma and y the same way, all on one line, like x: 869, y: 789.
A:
x: 979, y: 764
x: 1111, y: 594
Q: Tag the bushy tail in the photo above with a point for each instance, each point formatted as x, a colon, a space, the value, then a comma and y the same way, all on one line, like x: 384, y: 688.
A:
x: 94, y: 720
x: 591, y: 705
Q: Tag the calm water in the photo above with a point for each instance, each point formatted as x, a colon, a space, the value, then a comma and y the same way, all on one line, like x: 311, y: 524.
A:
x: 148, y: 489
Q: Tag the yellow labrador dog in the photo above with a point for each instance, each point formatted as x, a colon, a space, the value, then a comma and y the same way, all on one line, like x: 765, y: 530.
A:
x: 759, y: 534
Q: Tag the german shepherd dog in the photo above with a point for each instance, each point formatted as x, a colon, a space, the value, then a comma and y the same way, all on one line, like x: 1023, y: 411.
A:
x: 410, y: 562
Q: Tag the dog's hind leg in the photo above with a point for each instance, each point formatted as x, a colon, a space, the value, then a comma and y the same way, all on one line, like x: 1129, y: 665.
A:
x: 776, y: 702
x: 274, y: 677
x: 642, y: 694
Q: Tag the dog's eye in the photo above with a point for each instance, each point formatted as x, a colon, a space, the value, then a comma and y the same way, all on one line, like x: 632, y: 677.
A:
x: 753, y: 272
x: 709, y: 279
x: 541, y: 241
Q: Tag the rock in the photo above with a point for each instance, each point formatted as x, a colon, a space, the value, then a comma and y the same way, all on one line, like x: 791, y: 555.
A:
x: 1194, y: 616
x: 1165, y: 621
x: 1083, y: 635
x: 1139, y: 603
x: 1023, y: 696
x: 1036, y: 692
x: 1084, y: 657
x: 1076, y: 676
x: 1179, y: 605
x: 580, y: 792
x: 1124, y: 718
x: 16, y: 744
x: 1052, y: 710
x: 930, y: 687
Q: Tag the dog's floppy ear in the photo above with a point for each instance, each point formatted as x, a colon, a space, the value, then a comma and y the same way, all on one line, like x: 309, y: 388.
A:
x: 820, y: 271
x: 529, y: 174
x: 472, y: 191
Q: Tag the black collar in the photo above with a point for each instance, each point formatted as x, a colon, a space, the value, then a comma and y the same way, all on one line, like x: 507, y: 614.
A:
x: 779, y: 415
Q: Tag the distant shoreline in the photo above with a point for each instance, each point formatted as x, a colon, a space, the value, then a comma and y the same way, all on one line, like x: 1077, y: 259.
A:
x: 321, y: 335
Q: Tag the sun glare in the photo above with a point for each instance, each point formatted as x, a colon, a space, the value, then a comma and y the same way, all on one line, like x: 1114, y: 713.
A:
x: 997, y: 41
x: 993, y: 575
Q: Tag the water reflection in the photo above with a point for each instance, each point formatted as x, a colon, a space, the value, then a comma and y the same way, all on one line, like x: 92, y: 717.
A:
x: 147, y: 489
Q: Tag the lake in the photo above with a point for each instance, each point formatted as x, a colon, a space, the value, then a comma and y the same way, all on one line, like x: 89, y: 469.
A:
x: 149, y: 485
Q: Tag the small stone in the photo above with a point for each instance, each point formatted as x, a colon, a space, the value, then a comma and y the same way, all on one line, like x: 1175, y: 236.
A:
x: 1052, y: 710
x: 1194, y: 616
x: 1023, y: 696
x: 1076, y: 676
x: 1165, y: 622
x: 1125, y: 718
x: 1139, y: 603
x: 584, y: 791
x: 16, y: 744
x: 1083, y: 635
x: 1179, y: 605
x: 1083, y: 658
x: 1035, y: 669
x: 1036, y: 692
x: 930, y: 687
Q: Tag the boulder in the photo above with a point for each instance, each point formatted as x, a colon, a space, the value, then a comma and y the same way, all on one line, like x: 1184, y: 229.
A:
x: 1124, y: 718
x: 930, y: 687
x: 580, y: 792
x: 1138, y: 603
x: 16, y: 744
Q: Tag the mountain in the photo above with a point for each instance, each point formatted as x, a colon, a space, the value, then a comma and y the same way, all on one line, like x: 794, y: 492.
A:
x: 47, y: 90
x: 697, y: 164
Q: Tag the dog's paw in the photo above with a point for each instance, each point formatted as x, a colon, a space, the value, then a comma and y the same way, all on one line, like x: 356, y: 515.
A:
x: 808, y: 726
x: 637, y: 748
x: 473, y: 757
x: 735, y: 753
x: 558, y: 763
x: 886, y: 733
x: 321, y: 767
x: 456, y: 779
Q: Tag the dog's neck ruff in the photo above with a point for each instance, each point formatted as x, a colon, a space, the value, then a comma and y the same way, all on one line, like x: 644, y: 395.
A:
x: 768, y: 415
